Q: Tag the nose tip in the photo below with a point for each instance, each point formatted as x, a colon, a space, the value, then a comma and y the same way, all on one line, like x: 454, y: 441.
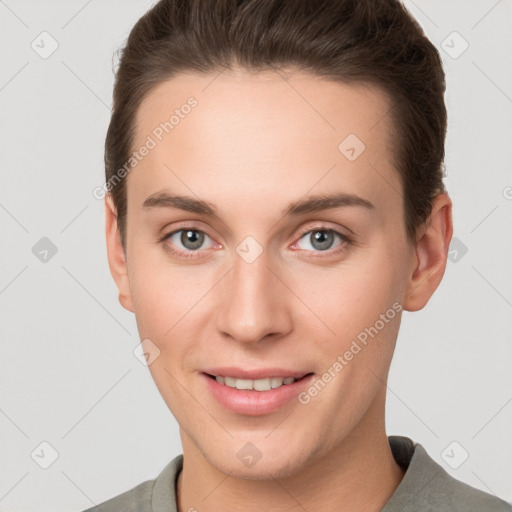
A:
x: 253, y: 303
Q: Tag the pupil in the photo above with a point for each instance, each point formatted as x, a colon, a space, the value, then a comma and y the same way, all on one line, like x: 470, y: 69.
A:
x: 321, y: 240
x: 320, y: 237
x: 192, y: 237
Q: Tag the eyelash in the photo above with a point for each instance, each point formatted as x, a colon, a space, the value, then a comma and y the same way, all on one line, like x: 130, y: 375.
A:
x: 345, y: 239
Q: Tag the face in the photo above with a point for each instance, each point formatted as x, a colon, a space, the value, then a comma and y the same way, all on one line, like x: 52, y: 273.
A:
x: 249, y: 276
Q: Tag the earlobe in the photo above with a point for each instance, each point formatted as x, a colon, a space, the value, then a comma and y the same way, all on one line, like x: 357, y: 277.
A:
x: 116, y: 255
x: 431, y: 253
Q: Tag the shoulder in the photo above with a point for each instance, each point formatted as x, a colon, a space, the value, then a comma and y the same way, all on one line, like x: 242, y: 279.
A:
x: 427, y: 486
x: 147, y: 496
x: 455, y: 495
x: 137, y: 499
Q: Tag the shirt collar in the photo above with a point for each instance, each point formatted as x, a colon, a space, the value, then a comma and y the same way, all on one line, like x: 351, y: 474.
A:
x: 420, y: 472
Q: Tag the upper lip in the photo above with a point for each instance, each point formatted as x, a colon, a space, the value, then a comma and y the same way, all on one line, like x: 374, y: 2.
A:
x: 254, y: 374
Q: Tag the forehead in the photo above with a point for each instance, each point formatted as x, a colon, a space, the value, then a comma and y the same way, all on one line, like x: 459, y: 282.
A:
x: 253, y: 132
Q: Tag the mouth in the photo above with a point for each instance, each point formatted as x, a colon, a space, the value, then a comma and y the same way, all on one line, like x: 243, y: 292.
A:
x: 265, y: 384
x: 256, y: 397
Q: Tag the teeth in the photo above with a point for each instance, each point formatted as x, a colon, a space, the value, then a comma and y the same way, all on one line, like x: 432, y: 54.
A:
x: 276, y: 382
x: 243, y: 384
x: 257, y: 385
x: 261, y: 384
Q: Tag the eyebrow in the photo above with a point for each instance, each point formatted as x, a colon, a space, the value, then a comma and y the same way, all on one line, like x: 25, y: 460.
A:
x: 309, y: 205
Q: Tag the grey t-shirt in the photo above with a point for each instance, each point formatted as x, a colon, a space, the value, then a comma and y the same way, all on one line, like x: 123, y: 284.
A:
x: 426, y: 487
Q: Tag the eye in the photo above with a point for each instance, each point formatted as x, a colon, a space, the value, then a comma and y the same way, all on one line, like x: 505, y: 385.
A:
x: 191, y: 241
x: 322, y: 239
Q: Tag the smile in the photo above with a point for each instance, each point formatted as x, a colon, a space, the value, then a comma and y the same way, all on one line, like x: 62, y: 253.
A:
x: 255, y: 397
x: 255, y: 385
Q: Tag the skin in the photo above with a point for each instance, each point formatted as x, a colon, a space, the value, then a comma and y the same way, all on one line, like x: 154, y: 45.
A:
x: 254, y: 144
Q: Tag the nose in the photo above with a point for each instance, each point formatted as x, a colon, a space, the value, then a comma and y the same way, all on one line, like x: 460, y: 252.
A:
x: 254, y: 302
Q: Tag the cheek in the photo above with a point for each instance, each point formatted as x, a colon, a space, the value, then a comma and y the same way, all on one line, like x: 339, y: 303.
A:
x: 358, y: 305
x: 336, y: 302
x: 351, y: 296
x: 160, y: 290
x: 154, y: 297
x: 171, y: 309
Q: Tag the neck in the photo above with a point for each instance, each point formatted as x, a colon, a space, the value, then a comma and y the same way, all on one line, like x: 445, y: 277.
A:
x: 359, y: 474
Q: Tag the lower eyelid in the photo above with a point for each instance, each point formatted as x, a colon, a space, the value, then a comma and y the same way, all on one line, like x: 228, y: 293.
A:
x: 344, y: 239
x: 177, y: 231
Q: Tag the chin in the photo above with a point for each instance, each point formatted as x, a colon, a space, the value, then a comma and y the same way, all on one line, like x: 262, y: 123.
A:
x: 266, y: 464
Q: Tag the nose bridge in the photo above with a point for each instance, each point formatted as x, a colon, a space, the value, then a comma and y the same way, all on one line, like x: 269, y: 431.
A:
x: 253, y: 306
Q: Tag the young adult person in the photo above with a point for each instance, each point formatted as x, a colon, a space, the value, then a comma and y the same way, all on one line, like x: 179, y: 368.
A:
x: 275, y: 201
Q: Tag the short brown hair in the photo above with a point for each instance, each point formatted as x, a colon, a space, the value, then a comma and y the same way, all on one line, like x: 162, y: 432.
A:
x: 350, y: 41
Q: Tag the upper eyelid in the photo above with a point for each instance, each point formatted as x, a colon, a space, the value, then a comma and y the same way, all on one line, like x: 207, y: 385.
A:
x: 191, y: 227
x: 345, y: 237
x: 323, y: 228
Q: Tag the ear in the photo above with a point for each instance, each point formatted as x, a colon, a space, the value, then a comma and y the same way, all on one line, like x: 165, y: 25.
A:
x: 116, y: 255
x: 431, y: 251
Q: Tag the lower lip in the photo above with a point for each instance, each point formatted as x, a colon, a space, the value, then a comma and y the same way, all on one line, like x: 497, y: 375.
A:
x: 255, y: 403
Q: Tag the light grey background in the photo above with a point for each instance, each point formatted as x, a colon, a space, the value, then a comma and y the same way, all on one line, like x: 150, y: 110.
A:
x: 68, y: 373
